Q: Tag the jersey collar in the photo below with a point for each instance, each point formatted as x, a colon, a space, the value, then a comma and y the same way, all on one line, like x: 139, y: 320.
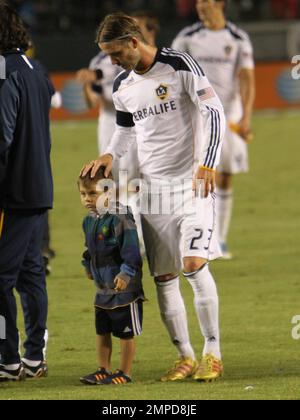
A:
x: 141, y: 73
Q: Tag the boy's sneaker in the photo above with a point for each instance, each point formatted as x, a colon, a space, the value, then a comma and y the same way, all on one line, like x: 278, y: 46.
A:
x: 39, y: 371
x: 12, y: 375
x: 117, y: 378
x: 95, y: 378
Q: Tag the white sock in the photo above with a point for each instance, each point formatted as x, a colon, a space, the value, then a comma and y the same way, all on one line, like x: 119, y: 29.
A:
x: 224, y: 212
x: 173, y: 314
x: 206, y: 303
x: 46, y: 338
x: 31, y: 363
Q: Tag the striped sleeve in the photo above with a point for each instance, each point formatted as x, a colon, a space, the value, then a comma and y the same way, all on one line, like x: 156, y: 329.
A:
x: 209, y: 138
x: 215, y: 138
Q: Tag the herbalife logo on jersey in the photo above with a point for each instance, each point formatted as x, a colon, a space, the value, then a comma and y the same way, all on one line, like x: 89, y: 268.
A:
x: 162, y: 91
x: 151, y: 111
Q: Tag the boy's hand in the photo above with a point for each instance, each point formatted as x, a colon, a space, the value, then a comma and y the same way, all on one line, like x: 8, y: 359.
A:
x: 121, y: 282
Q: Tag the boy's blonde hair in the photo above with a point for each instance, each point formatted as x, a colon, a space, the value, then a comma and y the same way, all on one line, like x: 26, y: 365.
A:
x: 86, y: 181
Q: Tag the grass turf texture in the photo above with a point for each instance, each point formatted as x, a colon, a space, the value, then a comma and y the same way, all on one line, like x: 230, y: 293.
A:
x: 259, y: 290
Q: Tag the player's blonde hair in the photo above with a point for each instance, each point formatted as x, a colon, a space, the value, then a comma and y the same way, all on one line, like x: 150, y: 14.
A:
x: 118, y: 27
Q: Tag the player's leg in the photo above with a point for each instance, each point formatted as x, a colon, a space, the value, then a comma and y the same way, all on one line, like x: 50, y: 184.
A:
x: 224, y: 210
x: 234, y: 160
x: 174, y: 317
x: 200, y: 245
x: 160, y: 233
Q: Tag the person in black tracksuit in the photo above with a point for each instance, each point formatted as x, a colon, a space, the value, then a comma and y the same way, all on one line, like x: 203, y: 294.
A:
x: 26, y: 193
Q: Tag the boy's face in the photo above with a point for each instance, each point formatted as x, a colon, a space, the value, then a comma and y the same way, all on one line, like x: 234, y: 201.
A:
x: 89, y: 196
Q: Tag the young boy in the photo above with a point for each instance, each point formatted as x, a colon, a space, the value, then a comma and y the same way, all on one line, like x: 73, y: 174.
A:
x: 113, y: 261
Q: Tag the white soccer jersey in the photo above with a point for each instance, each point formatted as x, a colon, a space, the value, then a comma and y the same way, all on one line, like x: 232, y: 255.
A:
x: 221, y: 54
x: 173, y: 113
x: 103, y: 62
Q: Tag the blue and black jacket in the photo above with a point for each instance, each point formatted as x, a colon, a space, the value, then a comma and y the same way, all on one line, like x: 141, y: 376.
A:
x: 113, y: 249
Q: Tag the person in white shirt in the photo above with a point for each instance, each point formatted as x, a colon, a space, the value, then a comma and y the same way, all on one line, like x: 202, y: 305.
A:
x: 98, y: 82
x: 165, y: 103
x: 225, y: 52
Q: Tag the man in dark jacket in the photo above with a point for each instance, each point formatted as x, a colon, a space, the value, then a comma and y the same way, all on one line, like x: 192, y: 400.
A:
x: 26, y: 192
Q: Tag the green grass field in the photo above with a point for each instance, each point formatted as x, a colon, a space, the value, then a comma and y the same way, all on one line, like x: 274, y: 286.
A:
x: 259, y: 290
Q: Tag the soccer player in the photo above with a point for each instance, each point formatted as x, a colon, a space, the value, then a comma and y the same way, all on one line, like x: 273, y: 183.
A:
x: 166, y: 104
x: 225, y: 53
x: 113, y: 261
x: 98, y: 82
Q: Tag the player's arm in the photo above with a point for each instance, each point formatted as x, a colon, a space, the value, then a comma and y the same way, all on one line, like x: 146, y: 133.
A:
x: 246, y: 76
x: 209, y: 106
x: 92, y: 94
x: 126, y: 232
x: 9, y: 105
x: 92, y: 89
x: 247, y: 90
x: 124, y: 135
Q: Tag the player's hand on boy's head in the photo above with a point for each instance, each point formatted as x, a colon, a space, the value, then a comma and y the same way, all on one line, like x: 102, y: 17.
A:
x: 208, y: 184
x: 94, y: 165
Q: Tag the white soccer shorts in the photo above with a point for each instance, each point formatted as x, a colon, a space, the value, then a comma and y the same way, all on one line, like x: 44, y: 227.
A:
x: 170, y: 238
x: 234, y: 155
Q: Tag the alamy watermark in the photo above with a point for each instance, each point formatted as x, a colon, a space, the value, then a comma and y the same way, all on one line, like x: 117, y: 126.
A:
x: 167, y: 197
x: 296, y: 329
x: 2, y: 328
x: 296, y: 69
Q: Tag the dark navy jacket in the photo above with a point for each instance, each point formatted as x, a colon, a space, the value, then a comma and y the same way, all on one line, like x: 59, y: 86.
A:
x: 25, y: 100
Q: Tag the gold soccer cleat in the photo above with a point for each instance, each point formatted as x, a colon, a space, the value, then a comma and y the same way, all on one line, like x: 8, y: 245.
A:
x: 210, y: 369
x: 183, y: 368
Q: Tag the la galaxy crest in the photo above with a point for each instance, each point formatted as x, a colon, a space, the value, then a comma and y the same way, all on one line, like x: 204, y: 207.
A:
x: 162, y: 91
x: 228, y: 49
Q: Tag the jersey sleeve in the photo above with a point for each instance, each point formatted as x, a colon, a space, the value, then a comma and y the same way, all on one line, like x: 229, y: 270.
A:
x: 245, y: 57
x: 124, y: 134
x: 104, y: 87
x: 213, y: 124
